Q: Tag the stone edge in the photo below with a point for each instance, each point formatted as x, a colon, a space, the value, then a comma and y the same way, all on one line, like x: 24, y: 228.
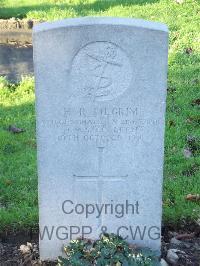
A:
x: 88, y: 21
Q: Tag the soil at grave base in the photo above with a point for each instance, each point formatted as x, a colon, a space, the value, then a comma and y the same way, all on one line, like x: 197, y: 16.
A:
x: 10, y: 255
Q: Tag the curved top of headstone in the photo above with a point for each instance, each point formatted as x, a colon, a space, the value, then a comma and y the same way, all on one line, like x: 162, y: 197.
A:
x: 87, y: 21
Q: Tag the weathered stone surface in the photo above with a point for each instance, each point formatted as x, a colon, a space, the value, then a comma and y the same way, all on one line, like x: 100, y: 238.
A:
x: 100, y: 91
x: 172, y: 256
x: 163, y: 263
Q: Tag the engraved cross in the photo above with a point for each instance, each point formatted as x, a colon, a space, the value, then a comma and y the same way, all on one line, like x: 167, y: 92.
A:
x: 100, y: 178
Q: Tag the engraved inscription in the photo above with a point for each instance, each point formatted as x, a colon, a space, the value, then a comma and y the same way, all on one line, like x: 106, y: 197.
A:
x: 100, y: 71
x: 100, y: 125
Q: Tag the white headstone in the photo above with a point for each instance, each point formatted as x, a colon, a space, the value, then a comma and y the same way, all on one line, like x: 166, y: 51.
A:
x: 100, y: 100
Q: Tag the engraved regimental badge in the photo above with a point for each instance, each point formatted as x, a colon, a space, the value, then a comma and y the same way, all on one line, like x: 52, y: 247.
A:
x: 100, y: 71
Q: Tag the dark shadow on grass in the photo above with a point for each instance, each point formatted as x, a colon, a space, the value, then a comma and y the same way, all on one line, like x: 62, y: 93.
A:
x: 80, y: 9
x: 101, y: 6
x: 15, y: 62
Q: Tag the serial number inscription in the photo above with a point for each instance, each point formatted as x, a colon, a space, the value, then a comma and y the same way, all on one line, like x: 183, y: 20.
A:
x: 99, y: 125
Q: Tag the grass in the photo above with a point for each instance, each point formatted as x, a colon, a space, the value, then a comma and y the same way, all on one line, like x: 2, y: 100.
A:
x: 18, y: 178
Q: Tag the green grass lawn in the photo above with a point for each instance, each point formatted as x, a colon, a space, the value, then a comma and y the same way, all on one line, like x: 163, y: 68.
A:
x: 18, y: 177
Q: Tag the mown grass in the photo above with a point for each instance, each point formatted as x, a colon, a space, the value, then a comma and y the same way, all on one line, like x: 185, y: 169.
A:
x: 18, y: 178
